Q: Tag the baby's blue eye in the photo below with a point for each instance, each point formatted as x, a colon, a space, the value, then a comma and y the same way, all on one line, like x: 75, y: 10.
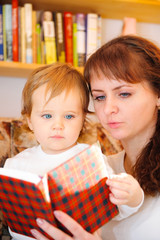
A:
x: 47, y: 116
x: 68, y: 116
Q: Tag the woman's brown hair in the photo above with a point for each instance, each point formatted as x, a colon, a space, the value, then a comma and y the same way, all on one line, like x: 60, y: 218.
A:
x: 133, y: 59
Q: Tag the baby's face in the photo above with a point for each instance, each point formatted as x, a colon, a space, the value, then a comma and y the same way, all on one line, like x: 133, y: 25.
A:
x: 57, y: 123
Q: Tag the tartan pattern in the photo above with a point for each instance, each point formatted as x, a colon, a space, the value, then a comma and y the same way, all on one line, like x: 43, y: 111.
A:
x: 78, y: 187
x: 81, y: 171
x: 90, y: 207
x: 22, y: 202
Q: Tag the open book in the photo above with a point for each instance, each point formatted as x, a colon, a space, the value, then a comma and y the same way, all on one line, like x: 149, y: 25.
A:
x: 77, y: 187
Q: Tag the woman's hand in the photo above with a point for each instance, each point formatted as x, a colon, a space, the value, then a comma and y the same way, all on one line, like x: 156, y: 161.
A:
x: 78, y: 232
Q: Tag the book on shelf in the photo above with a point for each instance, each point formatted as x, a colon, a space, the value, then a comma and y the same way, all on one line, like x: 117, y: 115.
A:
x: 15, y: 29
x: 38, y: 42
x: 68, y: 35
x: 77, y: 187
x: 49, y: 37
x: 75, y: 55
x: 91, y: 33
x: 19, y: 33
x: 1, y: 34
x: 59, y: 33
x: 99, y: 32
x: 34, y: 43
x: 39, y: 36
x: 28, y: 32
x: 81, y: 35
x: 22, y: 35
x: 7, y: 32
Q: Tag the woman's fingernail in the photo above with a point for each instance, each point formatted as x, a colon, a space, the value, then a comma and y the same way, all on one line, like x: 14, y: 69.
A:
x: 57, y: 214
x: 34, y: 232
x: 40, y: 221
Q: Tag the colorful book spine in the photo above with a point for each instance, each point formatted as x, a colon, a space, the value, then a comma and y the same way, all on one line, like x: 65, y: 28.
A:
x: 68, y: 34
x: 1, y: 34
x: 15, y: 29
x: 39, y: 36
x: 8, y: 31
x: 38, y: 42
x: 43, y: 52
x: 23, y: 39
x: 91, y: 34
x: 99, y: 30
x: 19, y: 33
x: 75, y: 55
x: 28, y: 32
x: 49, y: 37
x: 50, y: 42
x: 81, y: 34
x: 4, y: 33
x: 59, y: 30
x: 34, y: 45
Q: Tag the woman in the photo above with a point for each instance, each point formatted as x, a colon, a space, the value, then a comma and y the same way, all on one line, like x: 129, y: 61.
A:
x: 124, y: 79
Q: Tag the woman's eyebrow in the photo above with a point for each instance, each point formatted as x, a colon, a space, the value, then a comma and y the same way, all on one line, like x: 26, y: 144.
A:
x: 116, y: 88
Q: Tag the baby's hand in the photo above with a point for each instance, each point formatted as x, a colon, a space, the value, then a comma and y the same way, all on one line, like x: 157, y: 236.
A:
x: 125, y: 190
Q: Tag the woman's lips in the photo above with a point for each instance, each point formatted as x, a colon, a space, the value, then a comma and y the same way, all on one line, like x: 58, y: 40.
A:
x: 114, y: 124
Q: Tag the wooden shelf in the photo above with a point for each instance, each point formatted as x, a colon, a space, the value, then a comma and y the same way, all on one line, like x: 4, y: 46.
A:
x: 21, y: 70
x: 142, y: 10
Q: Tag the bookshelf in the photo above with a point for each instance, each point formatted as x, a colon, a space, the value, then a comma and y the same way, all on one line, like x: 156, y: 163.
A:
x: 21, y: 70
x: 142, y: 10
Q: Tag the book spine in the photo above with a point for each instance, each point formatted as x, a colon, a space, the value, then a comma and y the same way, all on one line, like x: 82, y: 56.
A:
x: 28, y: 32
x: 43, y: 53
x: 23, y: 40
x: 50, y: 43
x: 4, y: 33
x: 19, y: 34
x: 91, y: 33
x: 34, y: 45
x: 1, y: 34
x: 99, y: 31
x: 8, y: 27
x: 15, y: 29
x: 59, y: 30
x: 75, y: 55
x: 38, y: 42
x: 81, y: 34
x: 68, y: 34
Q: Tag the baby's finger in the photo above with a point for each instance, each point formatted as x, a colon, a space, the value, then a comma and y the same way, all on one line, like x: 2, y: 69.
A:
x: 119, y: 193
x: 121, y: 185
x: 117, y: 201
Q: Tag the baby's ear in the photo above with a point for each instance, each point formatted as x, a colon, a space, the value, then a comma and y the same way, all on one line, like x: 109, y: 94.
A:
x: 29, y: 123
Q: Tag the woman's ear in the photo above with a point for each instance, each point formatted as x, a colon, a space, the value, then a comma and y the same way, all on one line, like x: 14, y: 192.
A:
x: 29, y: 123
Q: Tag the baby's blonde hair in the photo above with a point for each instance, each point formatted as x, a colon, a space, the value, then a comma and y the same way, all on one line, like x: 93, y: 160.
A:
x: 58, y: 77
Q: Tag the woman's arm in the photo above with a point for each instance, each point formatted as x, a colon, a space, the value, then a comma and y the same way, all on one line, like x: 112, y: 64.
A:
x: 78, y: 232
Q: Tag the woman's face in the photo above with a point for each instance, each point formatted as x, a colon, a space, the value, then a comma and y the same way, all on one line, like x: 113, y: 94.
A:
x: 125, y: 110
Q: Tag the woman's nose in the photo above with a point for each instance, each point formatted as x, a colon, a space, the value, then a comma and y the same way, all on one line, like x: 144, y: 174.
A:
x: 110, y: 106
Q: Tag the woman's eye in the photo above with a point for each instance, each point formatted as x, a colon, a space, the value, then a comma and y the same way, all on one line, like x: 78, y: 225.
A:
x: 99, y: 98
x: 125, y: 94
x: 69, y: 116
x: 47, y: 116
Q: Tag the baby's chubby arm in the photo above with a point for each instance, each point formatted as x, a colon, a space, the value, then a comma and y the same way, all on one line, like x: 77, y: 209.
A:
x: 126, y: 193
x: 125, y: 190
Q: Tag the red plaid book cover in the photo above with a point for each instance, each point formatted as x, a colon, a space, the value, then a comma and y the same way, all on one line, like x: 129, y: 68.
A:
x: 78, y: 187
